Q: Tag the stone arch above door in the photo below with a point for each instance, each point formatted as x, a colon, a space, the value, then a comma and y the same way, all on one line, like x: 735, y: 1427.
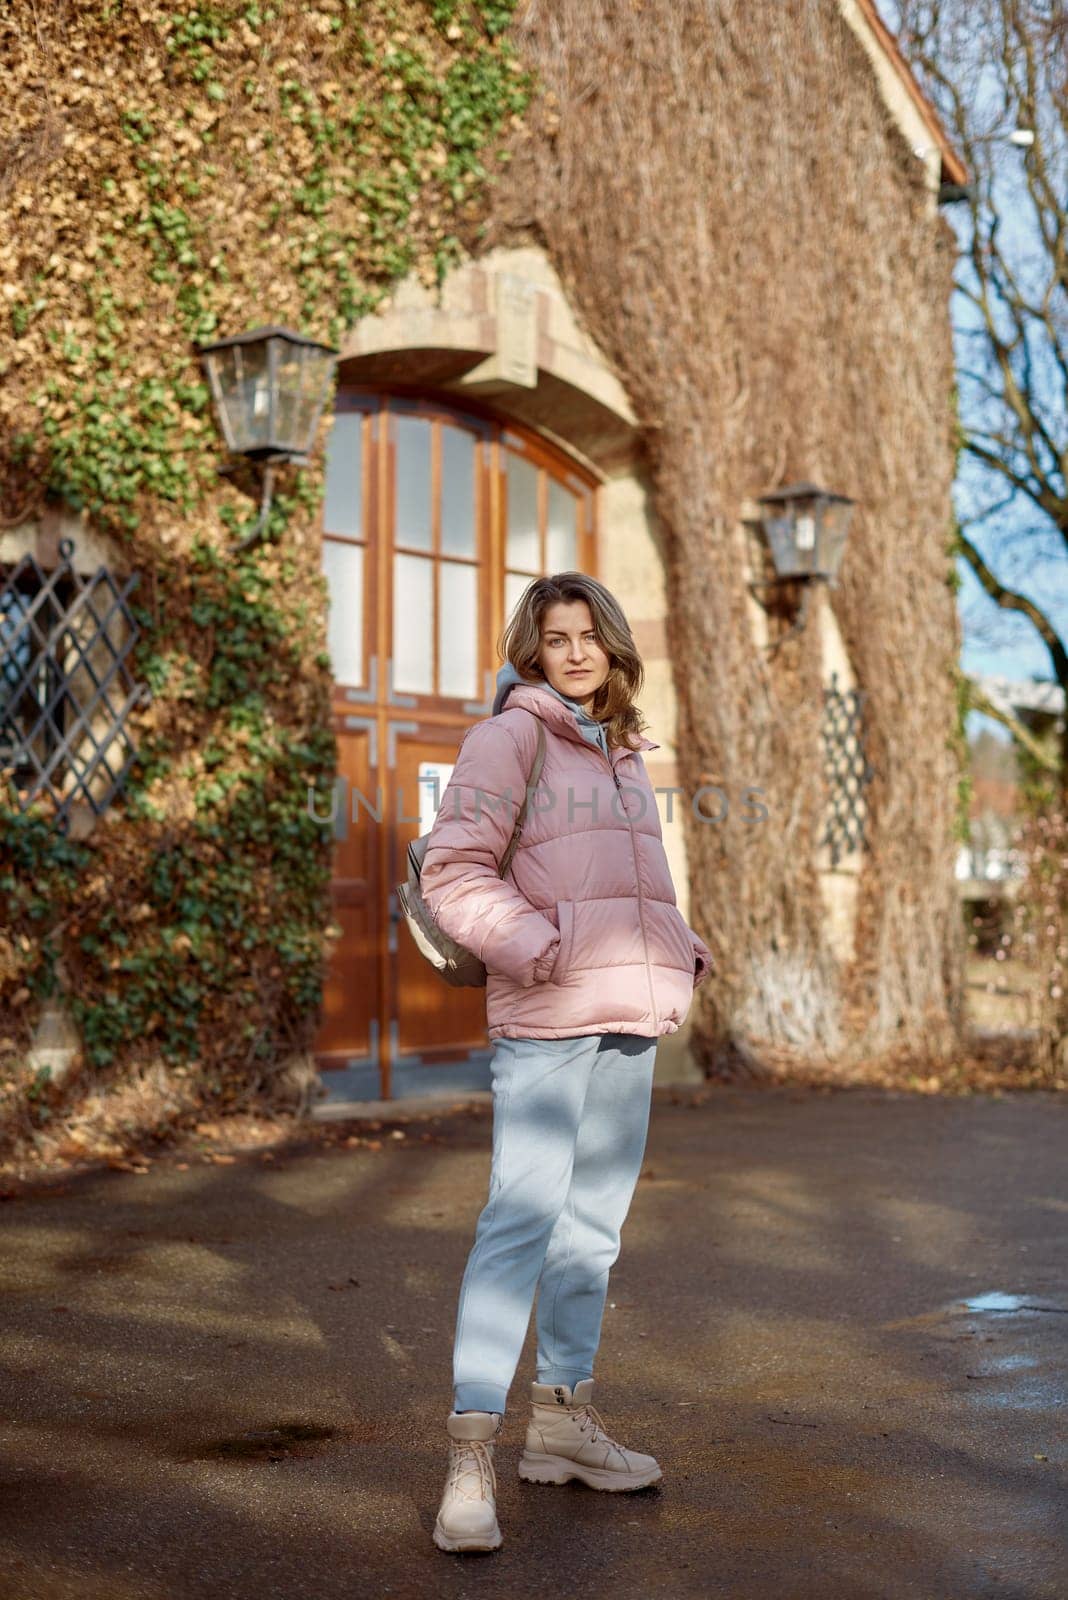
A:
x: 500, y: 330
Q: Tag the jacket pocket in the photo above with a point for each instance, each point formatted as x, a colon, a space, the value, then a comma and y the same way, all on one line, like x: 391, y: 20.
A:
x: 683, y: 941
x: 565, y: 921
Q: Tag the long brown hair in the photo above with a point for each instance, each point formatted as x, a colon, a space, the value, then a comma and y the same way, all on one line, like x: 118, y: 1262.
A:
x: 520, y: 642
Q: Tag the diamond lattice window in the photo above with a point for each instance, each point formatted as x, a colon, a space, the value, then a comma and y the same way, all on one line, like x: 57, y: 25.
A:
x: 66, y: 690
x: 846, y: 769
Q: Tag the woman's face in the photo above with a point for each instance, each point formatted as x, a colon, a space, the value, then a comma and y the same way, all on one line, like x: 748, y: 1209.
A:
x: 570, y: 657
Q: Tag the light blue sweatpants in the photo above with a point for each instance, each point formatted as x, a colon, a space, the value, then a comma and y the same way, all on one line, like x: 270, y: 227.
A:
x: 570, y: 1120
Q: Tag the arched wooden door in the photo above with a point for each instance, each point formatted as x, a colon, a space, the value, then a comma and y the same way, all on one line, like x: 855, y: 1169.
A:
x: 434, y: 521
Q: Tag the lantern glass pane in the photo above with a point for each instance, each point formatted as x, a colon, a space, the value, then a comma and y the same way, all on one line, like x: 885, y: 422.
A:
x: 318, y: 369
x: 522, y: 481
x: 299, y: 387
x: 288, y: 378
x: 780, y: 533
x: 216, y: 367
x: 246, y: 390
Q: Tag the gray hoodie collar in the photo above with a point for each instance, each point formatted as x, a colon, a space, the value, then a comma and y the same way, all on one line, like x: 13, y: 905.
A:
x: 590, y: 729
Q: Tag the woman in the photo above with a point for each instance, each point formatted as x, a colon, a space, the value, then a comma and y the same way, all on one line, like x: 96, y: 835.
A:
x: 588, y: 962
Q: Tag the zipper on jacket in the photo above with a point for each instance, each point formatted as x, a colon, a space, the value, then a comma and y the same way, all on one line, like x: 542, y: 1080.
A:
x: 638, y: 882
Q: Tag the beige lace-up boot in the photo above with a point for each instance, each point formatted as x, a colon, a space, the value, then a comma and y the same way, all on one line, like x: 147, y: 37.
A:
x: 467, y: 1519
x: 566, y: 1438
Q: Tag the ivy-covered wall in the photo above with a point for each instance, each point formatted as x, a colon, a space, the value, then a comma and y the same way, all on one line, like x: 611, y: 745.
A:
x: 172, y: 173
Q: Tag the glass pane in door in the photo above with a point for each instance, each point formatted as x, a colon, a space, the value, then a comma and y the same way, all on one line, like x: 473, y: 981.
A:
x: 514, y: 584
x: 412, y: 504
x: 458, y: 454
x: 342, y: 505
x: 458, y: 625
x: 413, y: 624
x: 343, y: 566
x: 560, y: 544
x: 522, y: 544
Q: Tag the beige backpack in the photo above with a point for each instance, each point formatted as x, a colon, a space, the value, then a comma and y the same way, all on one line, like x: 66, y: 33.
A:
x: 456, y: 964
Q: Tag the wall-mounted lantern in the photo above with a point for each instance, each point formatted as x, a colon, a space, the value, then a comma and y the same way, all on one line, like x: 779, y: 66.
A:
x: 269, y: 387
x: 806, y: 529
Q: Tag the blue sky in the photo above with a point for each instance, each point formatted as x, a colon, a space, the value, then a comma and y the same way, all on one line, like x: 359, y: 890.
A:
x: 1015, y: 537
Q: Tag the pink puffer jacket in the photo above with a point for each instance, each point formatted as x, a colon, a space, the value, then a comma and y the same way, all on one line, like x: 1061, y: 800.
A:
x: 583, y: 935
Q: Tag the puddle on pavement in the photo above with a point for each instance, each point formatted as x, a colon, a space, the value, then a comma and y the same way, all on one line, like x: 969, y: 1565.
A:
x: 1003, y: 1339
x: 285, y: 1441
x: 998, y: 1300
x: 994, y: 1300
x: 1011, y: 1379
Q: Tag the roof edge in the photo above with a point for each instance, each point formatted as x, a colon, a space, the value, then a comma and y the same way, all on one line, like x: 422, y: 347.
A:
x: 953, y: 168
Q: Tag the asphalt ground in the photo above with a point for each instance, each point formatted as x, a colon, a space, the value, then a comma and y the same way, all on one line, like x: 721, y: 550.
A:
x: 838, y: 1320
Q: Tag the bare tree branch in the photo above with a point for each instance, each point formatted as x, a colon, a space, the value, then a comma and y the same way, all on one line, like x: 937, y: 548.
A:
x: 978, y: 701
x: 992, y: 66
x: 1012, y: 600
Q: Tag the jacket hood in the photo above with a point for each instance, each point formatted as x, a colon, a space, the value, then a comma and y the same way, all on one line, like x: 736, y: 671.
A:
x: 507, y: 678
x: 592, y: 731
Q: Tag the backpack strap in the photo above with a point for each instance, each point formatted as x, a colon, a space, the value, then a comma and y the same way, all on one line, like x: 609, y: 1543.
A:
x: 532, y: 783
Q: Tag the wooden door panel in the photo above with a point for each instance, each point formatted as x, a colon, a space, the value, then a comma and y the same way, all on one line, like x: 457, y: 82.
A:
x: 349, y: 1033
x: 435, y: 518
x: 434, y: 1022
